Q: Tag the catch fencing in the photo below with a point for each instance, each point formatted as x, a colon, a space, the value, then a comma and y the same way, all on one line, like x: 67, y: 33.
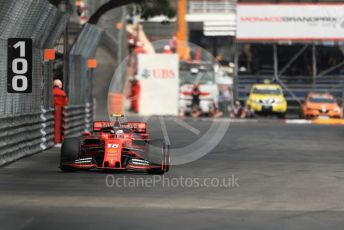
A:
x: 26, y: 120
x: 115, y: 42
x: 78, y: 115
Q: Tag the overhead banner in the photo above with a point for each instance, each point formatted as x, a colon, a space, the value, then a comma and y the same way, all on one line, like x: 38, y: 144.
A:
x: 158, y: 76
x: 293, y: 22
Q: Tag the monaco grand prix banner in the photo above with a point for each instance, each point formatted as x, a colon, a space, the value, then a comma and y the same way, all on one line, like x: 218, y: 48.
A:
x: 290, y: 21
x: 158, y: 76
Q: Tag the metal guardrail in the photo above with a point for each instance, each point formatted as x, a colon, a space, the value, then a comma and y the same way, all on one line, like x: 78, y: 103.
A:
x: 208, y: 6
x: 89, y: 108
x: 77, y: 119
x: 47, y: 128
x: 25, y: 134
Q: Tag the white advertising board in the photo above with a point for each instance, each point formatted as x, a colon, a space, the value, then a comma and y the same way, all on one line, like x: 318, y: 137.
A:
x: 158, y: 75
x: 290, y: 21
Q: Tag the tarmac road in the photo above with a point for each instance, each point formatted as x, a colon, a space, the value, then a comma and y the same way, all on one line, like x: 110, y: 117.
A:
x: 284, y: 176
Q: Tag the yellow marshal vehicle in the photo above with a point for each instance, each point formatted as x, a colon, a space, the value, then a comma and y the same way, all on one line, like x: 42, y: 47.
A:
x: 267, y: 99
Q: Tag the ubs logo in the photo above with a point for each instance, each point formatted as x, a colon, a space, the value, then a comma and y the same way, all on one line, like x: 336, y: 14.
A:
x: 159, y: 73
x: 146, y: 73
x: 163, y: 73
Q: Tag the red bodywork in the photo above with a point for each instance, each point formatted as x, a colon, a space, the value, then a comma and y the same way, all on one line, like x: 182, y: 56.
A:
x: 117, y: 147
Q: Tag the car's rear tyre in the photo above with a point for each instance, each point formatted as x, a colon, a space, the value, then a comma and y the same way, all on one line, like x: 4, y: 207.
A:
x: 158, y: 155
x: 69, y: 153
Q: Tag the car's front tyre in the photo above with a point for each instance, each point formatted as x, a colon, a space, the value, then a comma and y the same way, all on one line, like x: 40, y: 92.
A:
x: 69, y: 153
x: 158, y: 155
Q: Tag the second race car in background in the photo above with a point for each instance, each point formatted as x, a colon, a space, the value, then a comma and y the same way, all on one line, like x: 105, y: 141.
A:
x: 320, y: 105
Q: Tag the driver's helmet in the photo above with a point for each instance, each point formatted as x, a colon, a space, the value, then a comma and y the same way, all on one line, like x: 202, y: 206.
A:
x: 119, y: 133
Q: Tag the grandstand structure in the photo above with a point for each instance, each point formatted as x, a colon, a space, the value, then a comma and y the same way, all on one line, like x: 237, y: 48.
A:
x: 301, y: 63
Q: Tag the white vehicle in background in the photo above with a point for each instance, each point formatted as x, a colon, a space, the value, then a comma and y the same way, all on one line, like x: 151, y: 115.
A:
x: 202, y: 74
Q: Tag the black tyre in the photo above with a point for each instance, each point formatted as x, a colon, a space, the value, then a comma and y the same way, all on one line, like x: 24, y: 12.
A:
x: 157, y: 156
x: 281, y: 115
x: 69, y: 152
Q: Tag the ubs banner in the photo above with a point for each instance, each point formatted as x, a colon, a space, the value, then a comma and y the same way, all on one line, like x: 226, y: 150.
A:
x: 290, y: 21
x: 159, y: 79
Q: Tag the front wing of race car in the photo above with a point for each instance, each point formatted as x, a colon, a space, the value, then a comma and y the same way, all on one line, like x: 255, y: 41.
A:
x: 134, y: 165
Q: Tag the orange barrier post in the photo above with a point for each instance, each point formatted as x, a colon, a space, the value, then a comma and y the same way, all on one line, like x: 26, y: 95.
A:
x: 92, y: 63
x: 49, y: 54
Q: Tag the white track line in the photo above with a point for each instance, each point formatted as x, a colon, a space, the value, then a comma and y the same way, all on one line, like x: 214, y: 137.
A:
x: 186, y: 126
x: 298, y: 121
x: 164, y: 131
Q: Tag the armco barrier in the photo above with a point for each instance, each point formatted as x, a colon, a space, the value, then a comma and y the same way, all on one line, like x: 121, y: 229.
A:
x: 25, y: 134
x: 76, y: 119
x: 47, y: 128
x: 89, y: 108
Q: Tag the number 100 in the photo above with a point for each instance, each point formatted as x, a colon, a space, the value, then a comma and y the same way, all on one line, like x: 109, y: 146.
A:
x: 20, y: 71
x: 19, y: 65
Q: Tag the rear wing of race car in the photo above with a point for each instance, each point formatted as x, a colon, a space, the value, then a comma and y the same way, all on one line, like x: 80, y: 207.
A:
x: 137, y: 127
x: 98, y: 125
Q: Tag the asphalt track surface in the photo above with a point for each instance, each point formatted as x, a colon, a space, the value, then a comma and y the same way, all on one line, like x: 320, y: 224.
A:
x: 290, y: 176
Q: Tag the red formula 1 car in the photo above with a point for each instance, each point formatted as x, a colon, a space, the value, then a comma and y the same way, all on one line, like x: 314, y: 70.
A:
x: 115, y: 146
